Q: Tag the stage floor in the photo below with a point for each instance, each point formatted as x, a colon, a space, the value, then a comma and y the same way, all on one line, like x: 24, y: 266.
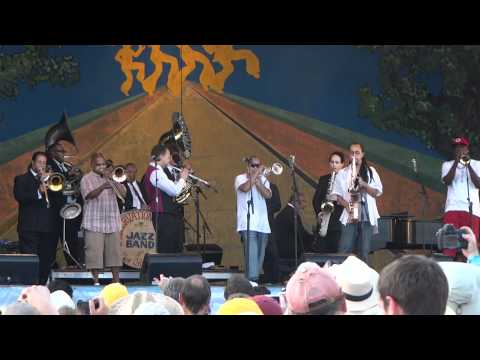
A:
x: 10, y: 294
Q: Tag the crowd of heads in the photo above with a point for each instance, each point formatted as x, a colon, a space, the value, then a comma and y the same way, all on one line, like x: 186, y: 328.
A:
x: 410, y: 285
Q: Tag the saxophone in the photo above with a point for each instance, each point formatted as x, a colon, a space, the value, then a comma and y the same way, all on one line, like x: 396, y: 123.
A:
x: 327, y: 208
x: 354, y: 205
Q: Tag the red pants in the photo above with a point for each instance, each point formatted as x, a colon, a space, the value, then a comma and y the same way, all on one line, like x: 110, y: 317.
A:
x: 459, y: 219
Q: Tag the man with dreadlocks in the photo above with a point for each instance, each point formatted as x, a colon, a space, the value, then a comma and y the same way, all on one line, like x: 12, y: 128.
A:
x: 356, y: 235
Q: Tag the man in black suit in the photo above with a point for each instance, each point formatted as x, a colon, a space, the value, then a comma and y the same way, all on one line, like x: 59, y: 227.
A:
x: 37, y: 220
x: 284, y: 230
x: 271, y: 272
x: 56, y: 161
x: 136, y: 197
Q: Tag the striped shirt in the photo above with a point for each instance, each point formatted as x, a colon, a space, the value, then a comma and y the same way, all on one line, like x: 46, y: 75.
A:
x: 100, y: 214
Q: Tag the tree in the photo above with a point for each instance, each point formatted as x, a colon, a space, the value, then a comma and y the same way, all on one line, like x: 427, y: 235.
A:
x: 408, y: 104
x: 33, y: 65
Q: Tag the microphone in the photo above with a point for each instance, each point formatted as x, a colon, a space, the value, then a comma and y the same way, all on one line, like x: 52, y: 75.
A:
x: 414, y: 165
x: 291, y: 161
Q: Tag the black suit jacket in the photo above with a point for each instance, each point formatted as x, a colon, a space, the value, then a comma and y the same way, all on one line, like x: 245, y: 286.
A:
x: 319, y: 198
x: 33, y: 214
x: 285, y: 234
x: 274, y: 204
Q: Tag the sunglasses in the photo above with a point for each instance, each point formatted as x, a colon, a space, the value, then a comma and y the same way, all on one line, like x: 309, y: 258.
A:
x: 254, y: 165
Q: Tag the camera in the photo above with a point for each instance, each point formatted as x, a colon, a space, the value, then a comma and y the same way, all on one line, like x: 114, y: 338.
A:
x: 448, y: 237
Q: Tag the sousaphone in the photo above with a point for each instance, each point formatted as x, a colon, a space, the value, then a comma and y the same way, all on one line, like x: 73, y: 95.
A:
x: 61, y: 132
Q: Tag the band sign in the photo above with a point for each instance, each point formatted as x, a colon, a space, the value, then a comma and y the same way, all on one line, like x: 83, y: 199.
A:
x: 137, y: 237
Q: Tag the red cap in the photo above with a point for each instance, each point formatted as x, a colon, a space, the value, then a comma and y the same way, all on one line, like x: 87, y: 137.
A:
x: 460, y: 141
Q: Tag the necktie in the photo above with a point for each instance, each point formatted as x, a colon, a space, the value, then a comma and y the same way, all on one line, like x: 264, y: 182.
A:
x: 136, y: 193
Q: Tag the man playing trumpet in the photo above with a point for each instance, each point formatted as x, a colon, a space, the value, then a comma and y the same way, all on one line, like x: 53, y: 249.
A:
x: 462, y: 207
x: 101, y: 219
x: 253, y: 186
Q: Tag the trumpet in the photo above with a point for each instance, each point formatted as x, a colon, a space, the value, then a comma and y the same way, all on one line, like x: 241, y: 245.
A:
x: 118, y: 176
x: 275, y: 169
x: 465, y: 160
x: 192, y: 176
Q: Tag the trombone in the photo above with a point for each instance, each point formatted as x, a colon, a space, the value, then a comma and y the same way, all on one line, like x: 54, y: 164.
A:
x: 52, y: 181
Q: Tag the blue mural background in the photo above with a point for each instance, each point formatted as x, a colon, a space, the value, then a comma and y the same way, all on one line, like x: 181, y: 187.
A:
x: 320, y: 81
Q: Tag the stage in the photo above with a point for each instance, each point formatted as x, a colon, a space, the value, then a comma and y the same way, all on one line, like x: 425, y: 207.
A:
x: 10, y: 294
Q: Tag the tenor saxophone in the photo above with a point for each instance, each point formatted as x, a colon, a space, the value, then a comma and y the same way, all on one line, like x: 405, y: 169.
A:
x: 326, y: 208
x: 354, y: 190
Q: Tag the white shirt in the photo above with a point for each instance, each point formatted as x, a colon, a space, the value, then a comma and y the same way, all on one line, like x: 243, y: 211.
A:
x: 159, y: 179
x: 137, y: 202
x: 341, y: 186
x: 258, y: 219
x: 39, y: 194
x: 457, y: 191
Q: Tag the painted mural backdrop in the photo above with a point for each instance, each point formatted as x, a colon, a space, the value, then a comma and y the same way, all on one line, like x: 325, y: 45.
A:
x: 400, y: 102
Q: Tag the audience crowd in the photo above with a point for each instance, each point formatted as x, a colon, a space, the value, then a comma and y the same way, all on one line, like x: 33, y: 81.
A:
x: 411, y: 285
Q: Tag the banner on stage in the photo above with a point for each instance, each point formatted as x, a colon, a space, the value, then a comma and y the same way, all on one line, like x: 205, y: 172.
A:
x: 137, y: 237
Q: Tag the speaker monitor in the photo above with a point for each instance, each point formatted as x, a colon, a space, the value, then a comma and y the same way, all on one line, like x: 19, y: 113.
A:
x: 174, y: 265
x: 19, y: 269
x: 210, y: 253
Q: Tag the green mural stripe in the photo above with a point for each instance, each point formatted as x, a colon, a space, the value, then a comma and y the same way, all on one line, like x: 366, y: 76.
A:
x: 391, y: 156
x: 11, y: 149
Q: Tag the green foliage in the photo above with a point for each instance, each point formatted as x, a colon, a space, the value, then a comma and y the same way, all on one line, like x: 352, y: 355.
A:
x: 32, y: 66
x: 405, y: 103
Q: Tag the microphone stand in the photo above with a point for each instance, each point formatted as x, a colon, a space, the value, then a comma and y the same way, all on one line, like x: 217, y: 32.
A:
x: 470, y: 203
x: 295, y: 208
x: 247, y: 240
x: 424, y: 194
x: 156, y: 205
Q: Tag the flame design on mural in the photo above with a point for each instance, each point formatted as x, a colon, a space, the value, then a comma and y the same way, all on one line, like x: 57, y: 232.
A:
x: 225, y: 55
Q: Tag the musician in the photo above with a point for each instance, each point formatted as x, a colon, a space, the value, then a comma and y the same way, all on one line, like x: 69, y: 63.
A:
x: 37, y: 223
x: 56, y: 160
x: 285, y: 230
x: 101, y: 219
x: 454, y: 175
x: 161, y: 192
x: 329, y: 243
x: 136, y: 195
x: 172, y: 174
x: 357, y: 233
x: 253, y: 185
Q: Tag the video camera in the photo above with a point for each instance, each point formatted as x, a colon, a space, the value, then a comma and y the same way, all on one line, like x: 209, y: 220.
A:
x: 448, y: 237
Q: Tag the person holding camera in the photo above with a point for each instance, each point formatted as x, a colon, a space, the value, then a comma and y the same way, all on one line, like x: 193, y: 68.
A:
x: 462, y: 207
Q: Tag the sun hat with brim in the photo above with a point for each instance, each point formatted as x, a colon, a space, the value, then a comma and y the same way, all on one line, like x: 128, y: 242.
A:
x: 240, y: 306
x: 463, y: 287
x: 358, y: 282
x: 128, y: 305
